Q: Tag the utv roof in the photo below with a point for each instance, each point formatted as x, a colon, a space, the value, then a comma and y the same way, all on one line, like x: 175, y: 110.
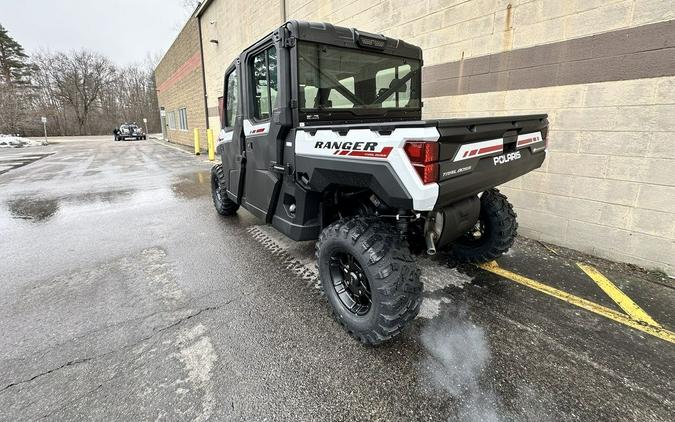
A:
x: 326, y: 33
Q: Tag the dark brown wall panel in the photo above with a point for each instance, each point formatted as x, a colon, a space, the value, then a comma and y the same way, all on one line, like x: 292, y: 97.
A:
x: 643, y: 52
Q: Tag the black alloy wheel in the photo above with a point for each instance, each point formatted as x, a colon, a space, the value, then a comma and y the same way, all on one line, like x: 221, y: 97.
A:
x: 350, y: 283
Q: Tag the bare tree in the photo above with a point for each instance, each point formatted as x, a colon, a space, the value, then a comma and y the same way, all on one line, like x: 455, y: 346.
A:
x: 79, y: 80
x: 80, y: 93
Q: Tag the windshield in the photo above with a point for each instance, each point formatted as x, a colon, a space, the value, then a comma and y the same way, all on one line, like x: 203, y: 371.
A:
x: 344, y: 78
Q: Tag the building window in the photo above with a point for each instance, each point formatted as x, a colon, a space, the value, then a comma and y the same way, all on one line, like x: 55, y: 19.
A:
x: 182, y: 119
x: 171, y: 120
x: 264, y: 70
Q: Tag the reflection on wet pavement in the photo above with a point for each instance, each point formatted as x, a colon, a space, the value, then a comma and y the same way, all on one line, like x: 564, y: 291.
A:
x: 192, y: 186
x: 38, y: 210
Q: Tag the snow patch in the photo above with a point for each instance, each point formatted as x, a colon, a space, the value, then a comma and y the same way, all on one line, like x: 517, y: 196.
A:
x: 431, y: 308
x: 199, y: 356
x: 11, y: 141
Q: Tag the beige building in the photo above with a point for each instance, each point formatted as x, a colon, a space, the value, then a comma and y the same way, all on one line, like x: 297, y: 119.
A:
x: 604, y: 71
x: 180, y: 88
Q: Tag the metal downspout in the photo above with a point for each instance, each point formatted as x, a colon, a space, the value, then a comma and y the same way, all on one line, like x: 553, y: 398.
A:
x: 201, y: 52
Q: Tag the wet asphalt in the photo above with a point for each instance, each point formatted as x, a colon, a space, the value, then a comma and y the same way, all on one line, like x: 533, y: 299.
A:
x: 126, y: 297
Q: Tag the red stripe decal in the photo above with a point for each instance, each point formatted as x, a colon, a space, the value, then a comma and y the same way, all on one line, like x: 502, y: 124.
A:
x: 487, y: 150
x: 525, y: 141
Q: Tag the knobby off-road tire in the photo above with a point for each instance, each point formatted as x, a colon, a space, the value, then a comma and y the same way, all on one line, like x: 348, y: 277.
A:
x: 498, y: 229
x: 389, y: 270
x: 224, y: 205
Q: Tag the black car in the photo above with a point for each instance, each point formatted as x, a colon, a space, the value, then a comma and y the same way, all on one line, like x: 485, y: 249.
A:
x: 128, y: 131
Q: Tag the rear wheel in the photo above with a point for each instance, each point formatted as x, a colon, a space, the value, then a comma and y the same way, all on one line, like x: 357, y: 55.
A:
x: 494, y: 233
x: 369, y: 278
x: 223, y: 204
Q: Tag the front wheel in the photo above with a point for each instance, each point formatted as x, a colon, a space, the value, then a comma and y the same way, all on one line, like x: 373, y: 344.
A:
x: 494, y: 233
x: 369, y: 277
x: 224, y: 205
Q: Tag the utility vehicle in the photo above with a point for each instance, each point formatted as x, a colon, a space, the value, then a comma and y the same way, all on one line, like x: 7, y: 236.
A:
x: 323, y: 138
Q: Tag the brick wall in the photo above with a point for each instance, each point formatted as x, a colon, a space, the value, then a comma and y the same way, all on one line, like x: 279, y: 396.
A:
x: 604, y: 70
x: 180, y: 84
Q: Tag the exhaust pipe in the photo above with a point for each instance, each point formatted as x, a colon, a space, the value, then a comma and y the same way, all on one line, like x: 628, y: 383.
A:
x: 431, y: 247
x: 433, y: 228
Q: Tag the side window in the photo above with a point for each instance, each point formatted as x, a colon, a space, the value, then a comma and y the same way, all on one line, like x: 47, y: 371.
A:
x: 264, y: 70
x: 221, y: 110
x: 231, y: 98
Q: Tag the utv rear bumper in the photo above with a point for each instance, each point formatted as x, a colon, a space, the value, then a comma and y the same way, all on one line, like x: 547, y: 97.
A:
x: 483, y: 177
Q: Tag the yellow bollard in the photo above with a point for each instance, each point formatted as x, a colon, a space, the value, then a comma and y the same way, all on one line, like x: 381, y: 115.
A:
x: 197, y: 146
x: 210, y: 145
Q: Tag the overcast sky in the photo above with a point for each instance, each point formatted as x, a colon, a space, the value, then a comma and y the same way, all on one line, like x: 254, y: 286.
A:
x: 124, y: 30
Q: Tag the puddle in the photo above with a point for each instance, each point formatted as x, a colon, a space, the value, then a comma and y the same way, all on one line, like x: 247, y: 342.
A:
x: 192, y: 186
x: 37, y: 210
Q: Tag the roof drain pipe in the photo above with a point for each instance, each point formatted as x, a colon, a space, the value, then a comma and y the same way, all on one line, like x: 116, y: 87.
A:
x: 201, y: 53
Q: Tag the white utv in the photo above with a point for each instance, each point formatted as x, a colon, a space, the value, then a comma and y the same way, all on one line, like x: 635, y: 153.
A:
x: 323, y: 139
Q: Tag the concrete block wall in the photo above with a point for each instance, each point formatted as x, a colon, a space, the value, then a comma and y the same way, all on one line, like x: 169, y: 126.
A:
x: 235, y: 25
x: 604, y: 71
x: 180, y: 84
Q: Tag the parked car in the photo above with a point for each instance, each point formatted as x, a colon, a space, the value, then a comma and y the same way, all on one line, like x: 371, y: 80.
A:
x: 128, y: 131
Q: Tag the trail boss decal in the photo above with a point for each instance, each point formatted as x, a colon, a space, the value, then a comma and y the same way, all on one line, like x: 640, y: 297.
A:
x: 354, y: 149
x: 502, y: 159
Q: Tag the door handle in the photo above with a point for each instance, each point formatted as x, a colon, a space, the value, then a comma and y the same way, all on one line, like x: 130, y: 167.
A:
x: 250, y: 145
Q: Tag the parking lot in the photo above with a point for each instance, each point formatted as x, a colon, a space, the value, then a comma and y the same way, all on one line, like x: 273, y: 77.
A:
x: 126, y: 296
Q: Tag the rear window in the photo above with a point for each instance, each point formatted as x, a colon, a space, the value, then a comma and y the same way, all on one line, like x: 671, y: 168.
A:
x: 345, y: 78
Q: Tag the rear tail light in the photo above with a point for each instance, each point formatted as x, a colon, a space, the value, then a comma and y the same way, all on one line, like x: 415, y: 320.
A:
x: 424, y: 157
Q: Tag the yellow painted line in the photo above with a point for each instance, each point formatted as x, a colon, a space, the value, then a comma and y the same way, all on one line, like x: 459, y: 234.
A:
x: 621, y: 299
x: 658, y: 332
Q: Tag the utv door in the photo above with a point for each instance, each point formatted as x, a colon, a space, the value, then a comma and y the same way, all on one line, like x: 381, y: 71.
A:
x: 260, y: 134
x: 230, y: 139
